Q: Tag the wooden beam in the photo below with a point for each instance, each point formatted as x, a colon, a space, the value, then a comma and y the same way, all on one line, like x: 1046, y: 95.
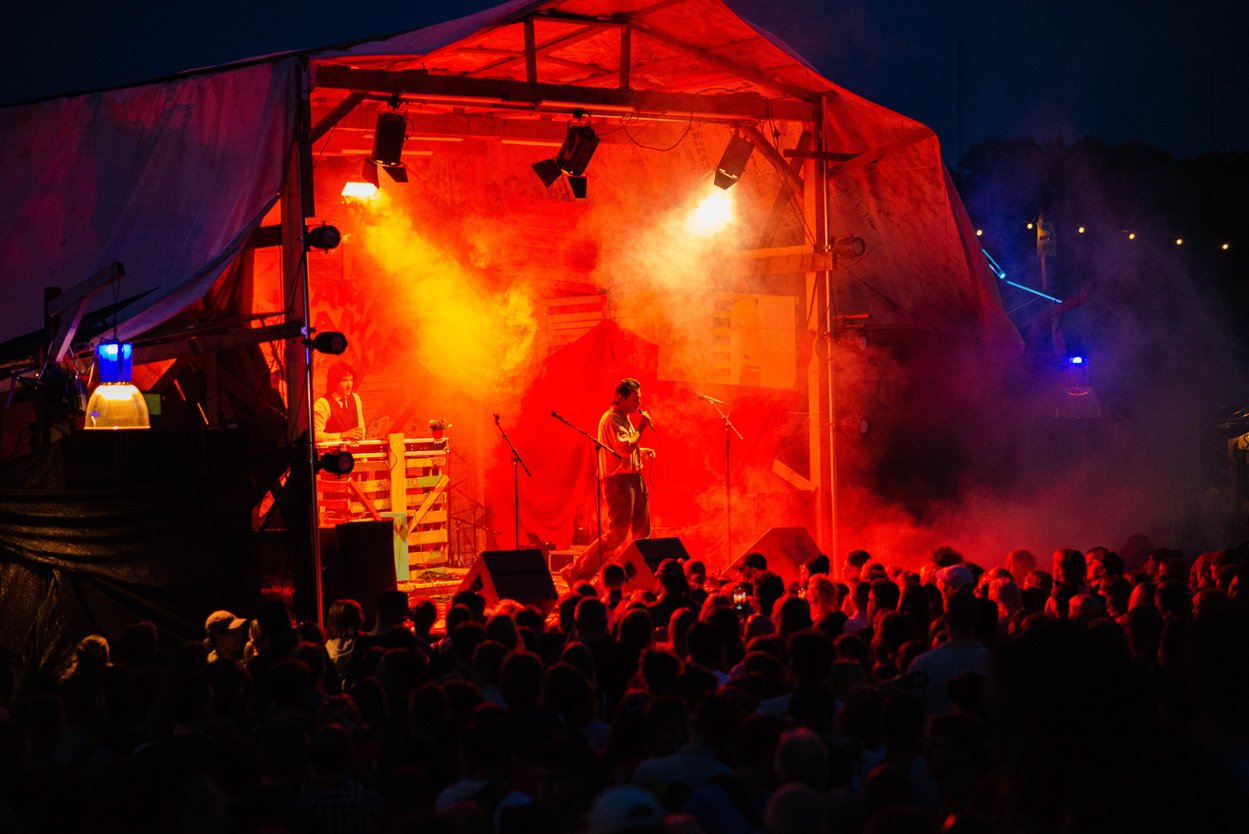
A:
x: 780, y: 264
x: 336, y: 115
x: 827, y: 156
x: 188, y: 345
x: 626, y: 56
x: 531, y: 52
x: 68, y: 307
x: 538, y: 50
x: 770, y: 153
x: 784, y: 196
x: 364, y: 499
x: 423, y: 85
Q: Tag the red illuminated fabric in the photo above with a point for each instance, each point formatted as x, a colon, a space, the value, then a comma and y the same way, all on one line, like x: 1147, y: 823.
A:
x: 685, y: 482
x: 667, y: 42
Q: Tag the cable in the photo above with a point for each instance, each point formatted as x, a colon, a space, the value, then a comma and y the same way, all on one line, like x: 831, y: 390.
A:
x: 624, y: 126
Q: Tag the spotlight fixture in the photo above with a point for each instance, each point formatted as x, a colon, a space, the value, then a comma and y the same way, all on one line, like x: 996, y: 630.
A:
x: 851, y: 246
x: 336, y: 463
x: 388, y: 138
x: 329, y: 342
x: 573, y: 156
x: 733, y: 160
x: 1078, y: 400
x: 325, y: 237
x: 359, y: 189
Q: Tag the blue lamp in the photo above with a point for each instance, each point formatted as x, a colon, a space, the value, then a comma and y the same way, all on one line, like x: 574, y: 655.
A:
x: 116, y: 403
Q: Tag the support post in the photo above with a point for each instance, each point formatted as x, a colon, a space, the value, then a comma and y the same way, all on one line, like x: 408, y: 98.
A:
x: 297, y: 205
x: 821, y: 399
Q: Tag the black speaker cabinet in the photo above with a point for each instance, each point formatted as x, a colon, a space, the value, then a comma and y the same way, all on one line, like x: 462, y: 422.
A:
x: 642, y: 557
x: 785, y: 548
x: 359, y: 564
x: 521, y: 575
x: 654, y: 551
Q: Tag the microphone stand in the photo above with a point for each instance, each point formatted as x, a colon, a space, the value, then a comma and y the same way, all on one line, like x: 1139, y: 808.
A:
x: 517, y: 464
x: 728, y: 492
x: 598, y: 479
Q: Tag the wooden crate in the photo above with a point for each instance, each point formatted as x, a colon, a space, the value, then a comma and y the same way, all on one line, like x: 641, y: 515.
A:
x: 399, y: 474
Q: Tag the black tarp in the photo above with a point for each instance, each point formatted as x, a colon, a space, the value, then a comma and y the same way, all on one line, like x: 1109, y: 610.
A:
x: 102, y: 529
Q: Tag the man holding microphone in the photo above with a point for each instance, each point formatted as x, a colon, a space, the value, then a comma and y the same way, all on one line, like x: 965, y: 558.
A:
x: 624, y: 492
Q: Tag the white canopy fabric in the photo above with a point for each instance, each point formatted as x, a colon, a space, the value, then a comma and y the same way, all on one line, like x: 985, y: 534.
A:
x: 168, y: 178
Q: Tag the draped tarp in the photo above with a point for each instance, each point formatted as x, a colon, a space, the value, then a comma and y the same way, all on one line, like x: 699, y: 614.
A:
x: 687, y: 46
x: 106, y: 528
x: 168, y: 178
x: 923, y: 269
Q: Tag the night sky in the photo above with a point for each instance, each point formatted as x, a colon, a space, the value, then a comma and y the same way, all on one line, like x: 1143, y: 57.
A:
x: 1167, y: 74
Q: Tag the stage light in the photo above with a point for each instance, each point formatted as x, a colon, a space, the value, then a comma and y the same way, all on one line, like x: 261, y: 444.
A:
x: 324, y: 237
x: 1131, y: 235
x: 1225, y: 247
x: 711, y: 215
x: 1078, y: 399
x: 979, y: 232
x: 852, y: 425
x: 573, y: 155
x: 1179, y: 241
x: 388, y: 139
x: 336, y: 463
x: 1080, y: 230
x: 114, y: 361
x: 850, y: 246
x: 359, y: 190
x: 329, y: 342
x: 116, y: 403
x: 1031, y: 225
x: 733, y: 160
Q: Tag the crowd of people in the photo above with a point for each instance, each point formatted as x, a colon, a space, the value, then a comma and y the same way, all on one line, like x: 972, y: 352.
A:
x: 1091, y: 697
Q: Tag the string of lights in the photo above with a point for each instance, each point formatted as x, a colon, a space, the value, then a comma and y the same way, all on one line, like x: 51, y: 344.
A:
x: 1122, y: 231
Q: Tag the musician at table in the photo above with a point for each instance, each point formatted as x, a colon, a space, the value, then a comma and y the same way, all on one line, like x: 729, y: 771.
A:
x: 338, y: 417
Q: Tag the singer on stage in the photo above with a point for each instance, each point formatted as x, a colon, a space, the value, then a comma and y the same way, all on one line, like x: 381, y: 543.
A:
x: 338, y: 417
x: 624, y: 493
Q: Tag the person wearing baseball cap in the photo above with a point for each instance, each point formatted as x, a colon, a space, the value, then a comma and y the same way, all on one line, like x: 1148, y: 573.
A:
x: 224, y: 635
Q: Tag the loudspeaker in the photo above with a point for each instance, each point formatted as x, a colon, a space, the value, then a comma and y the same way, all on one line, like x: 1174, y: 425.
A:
x: 642, y: 557
x: 654, y: 551
x: 785, y: 548
x: 358, y: 562
x: 521, y: 575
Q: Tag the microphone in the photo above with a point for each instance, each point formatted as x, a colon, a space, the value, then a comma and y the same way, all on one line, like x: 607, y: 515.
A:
x: 710, y: 399
x: 648, y: 418
x: 496, y: 418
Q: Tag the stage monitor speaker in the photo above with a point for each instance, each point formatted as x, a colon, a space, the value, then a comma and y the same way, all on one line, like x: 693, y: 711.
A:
x: 641, y: 559
x: 785, y: 548
x: 360, y: 565
x: 521, y: 575
x: 654, y: 551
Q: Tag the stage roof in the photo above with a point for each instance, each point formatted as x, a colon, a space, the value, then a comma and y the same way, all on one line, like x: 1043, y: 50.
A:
x: 171, y: 178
